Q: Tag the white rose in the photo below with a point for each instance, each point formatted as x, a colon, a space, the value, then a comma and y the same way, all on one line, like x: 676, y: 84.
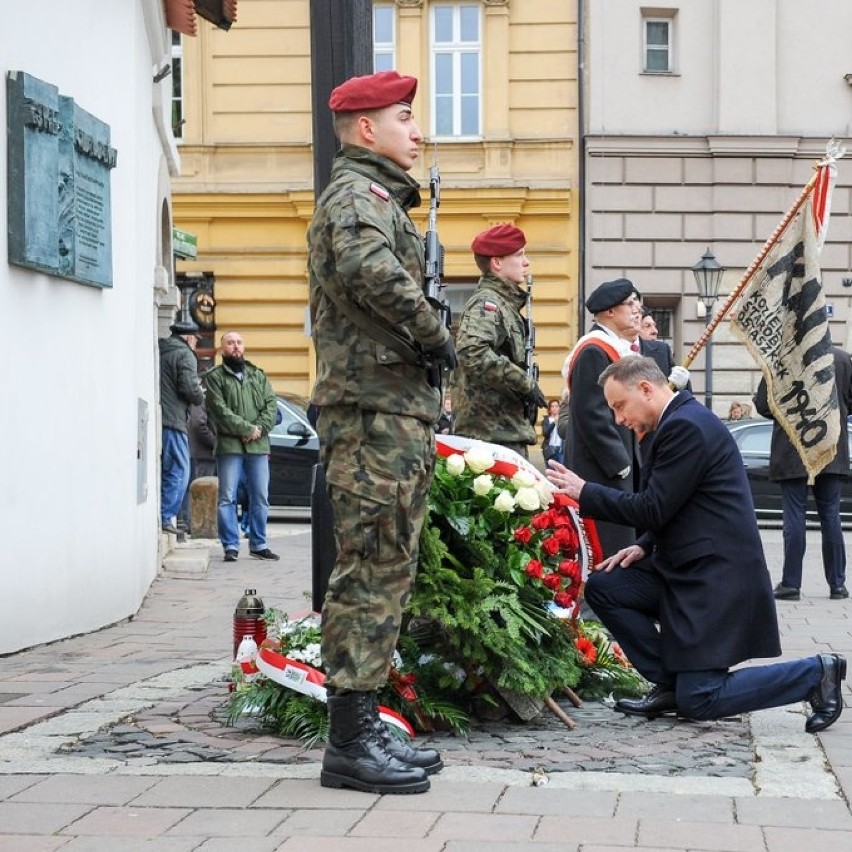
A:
x: 523, y: 479
x: 455, y: 464
x: 545, y: 493
x: 528, y: 499
x: 479, y: 459
x: 482, y: 484
x: 505, y: 502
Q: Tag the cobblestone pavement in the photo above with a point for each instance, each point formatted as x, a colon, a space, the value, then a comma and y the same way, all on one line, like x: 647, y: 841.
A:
x: 191, y: 728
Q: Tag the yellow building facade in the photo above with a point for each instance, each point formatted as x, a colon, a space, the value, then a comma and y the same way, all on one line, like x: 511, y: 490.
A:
x: 497, y: 103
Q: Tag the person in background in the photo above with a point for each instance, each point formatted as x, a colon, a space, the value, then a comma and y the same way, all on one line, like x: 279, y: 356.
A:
x: 786, y: 468
x: 491, y: 390
x: 739, y: 411
x: 372, y: 324
x: 444, y: 426
x: 551, y: 445
x: 659, y: 350
x: 692, y: 597
x: 180, y: 387
x: 648, y: 326
x: 242, y: 408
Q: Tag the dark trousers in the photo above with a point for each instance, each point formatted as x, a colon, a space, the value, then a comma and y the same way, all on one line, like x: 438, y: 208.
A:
x: 794, y: 495
x: 627, y: 601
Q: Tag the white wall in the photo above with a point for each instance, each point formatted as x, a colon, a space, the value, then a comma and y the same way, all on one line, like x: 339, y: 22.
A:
x: 744, y: 68
x: 77, y: 551
x: 714, y: 154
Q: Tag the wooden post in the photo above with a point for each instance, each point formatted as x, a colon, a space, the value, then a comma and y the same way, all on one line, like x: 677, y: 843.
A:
x: 341, y: 47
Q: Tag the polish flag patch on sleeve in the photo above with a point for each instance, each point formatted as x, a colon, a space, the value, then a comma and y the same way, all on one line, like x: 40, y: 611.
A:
x: 379, y: 190
x: 489, y: 306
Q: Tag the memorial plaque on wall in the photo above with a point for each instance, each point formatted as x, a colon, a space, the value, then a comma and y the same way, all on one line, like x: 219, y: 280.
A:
x: 59, y: 184
x: 32, y: 131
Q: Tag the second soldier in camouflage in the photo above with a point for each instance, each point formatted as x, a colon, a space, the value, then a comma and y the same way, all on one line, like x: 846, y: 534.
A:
x: 491, y: 385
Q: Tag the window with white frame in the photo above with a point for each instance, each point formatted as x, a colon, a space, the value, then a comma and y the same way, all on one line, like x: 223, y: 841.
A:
x: 658, y: 41
x: 177, y: 85
x: 384, y: 37
x: 456, y: 69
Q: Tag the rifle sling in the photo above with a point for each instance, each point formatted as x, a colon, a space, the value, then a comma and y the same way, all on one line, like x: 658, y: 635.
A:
x: 380, y: 333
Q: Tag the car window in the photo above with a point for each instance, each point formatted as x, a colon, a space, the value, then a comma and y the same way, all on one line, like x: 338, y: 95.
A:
x: 755, y: 440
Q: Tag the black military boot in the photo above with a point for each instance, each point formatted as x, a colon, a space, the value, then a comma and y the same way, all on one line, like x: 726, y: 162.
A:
x: 428, y: 759
x: 356, y: 756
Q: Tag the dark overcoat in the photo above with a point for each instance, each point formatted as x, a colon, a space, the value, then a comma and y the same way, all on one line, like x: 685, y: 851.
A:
x: 659, y: 351
x: 596, y: 448
x: 696, y: 513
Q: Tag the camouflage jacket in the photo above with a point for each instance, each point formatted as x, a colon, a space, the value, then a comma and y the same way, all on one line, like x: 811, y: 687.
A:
x: 364, y: 250
x: 491, y: 382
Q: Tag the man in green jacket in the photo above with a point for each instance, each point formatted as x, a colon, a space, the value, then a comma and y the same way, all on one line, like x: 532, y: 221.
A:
x: 374, y: 332
x: 241, y: 406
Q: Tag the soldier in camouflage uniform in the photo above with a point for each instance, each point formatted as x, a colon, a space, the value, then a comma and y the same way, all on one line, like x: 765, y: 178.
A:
x: 374, y: 333
x: 491, y: 387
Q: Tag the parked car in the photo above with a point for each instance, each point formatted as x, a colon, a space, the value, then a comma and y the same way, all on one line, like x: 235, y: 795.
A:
x: 754, y: 438
x: 294, y: 452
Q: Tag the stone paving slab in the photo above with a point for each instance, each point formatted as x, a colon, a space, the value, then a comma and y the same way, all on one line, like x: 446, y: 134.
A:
x: 754, y: 783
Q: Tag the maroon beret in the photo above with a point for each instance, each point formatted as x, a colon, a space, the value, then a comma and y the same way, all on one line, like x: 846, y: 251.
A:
x: 373, y: 91
x: 499, y: 241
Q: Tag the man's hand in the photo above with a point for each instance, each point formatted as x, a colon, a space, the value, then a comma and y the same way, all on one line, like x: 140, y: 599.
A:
x: 537, y: 397
x: 566, y: 481
x: 445, y: 352
x: 625, y: 557
x: 679, y: 377
x: 255, y: 434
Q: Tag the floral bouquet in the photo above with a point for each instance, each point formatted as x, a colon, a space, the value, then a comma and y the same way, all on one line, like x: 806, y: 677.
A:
x: 493, y: 610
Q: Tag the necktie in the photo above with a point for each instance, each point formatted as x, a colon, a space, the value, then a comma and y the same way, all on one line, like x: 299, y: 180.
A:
x: 634, y: 347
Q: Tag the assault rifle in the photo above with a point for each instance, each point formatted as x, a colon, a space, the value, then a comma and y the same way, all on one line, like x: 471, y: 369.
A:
x: 530, y: 406
x: 432, y: 285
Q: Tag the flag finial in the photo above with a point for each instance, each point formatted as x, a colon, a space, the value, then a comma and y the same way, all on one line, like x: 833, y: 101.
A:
x: 834, y: 150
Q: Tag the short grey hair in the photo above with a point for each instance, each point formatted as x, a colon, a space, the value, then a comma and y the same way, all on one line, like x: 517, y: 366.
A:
x: 631, y: 370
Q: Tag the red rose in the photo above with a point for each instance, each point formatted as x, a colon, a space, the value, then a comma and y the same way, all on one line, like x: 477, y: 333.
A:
x: 523, y: 535
x: 542, y: 521
x: 569, y: 568
x: 553, y: 582
x: 534, y: 569
x: 550, y: 546
x: 563, y: 599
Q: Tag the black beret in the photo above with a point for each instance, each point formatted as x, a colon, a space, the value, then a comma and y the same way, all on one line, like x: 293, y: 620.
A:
x: 609, y: 294
x: 185, y: 327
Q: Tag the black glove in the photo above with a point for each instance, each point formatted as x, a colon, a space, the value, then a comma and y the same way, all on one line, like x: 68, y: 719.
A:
x: 537, y: 397
x: 445, y: 352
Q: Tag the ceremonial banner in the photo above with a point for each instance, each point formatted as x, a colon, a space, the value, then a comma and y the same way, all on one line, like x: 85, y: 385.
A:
x: 782, y: 320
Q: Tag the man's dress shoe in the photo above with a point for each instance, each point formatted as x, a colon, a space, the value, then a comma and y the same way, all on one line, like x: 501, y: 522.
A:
x: 658, y: 702
x: 827, y: 699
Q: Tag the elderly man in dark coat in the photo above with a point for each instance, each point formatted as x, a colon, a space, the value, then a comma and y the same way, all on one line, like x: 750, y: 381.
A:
x: 597, y: 448
x: 697, y: 570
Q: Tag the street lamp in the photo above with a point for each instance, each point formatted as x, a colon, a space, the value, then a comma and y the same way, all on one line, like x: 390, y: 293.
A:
x: 708, y: 276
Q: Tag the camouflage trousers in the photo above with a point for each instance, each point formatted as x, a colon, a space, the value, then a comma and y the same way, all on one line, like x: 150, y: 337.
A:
x: 378, y: 469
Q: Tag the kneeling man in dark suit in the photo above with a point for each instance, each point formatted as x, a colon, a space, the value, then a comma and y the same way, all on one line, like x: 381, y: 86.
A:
x: 697, y: 570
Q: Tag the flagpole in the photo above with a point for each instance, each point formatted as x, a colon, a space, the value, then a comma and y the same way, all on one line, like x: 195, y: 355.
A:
x: 749, y: 273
